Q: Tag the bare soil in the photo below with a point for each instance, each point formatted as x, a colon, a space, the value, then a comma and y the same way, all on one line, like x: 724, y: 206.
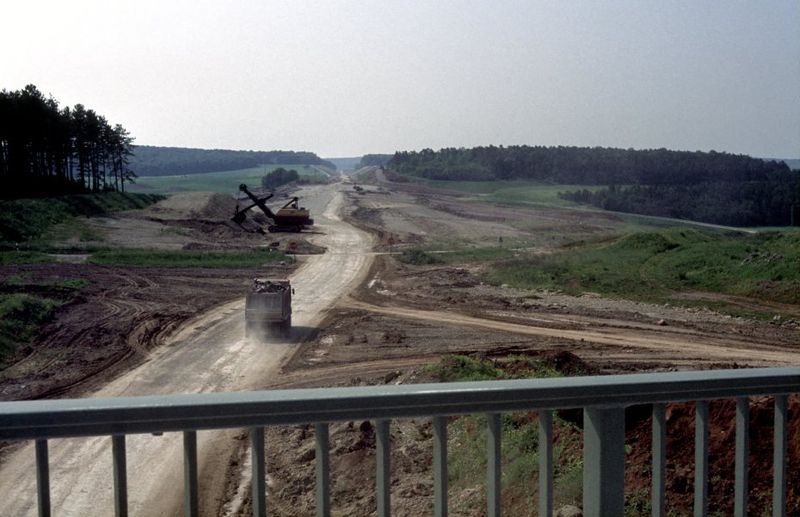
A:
x: 397, y: 322
x: 407, y: 317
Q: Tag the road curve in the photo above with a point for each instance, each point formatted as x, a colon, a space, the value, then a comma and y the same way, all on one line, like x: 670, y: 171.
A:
x: 209, y: 354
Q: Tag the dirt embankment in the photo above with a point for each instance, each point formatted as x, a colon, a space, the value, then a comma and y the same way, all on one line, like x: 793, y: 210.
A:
x: 120, y: 316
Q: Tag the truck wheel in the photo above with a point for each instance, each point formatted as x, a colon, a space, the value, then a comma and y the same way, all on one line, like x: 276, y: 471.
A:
x: 286, y: 328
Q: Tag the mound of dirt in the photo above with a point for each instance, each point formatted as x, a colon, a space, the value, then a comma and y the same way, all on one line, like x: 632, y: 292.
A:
x: 722, y: 437
x: 218, y: 206
x: 210, y: 206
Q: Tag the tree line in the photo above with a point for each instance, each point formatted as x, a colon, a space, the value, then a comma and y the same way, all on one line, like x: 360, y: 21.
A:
x: 583, y: 165
x: 169, y: 161
x: 376, y: 160
x: 712, y: 187
x: 278, y: 177
x: 48, y: 150
x: 748, y: 203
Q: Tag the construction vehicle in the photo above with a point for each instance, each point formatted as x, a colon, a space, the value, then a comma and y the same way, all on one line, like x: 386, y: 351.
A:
x: 268, y: 308
x: 289, y: 218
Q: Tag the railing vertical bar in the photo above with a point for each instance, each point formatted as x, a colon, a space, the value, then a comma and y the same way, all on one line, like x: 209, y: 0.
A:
x: 258, y: 484
x: 659, y: 459
x: 779, y: 458
x: 545, y: 463
x: 440, y: 466
x: 493, y: 472
x: 120, y: 475
x: 701, y: 458
x: 742, y: 456
x: 42, y: 478
x: 323, y: 493
x: 383, y: 465
x: 190, y: 499
x: 603, y: 461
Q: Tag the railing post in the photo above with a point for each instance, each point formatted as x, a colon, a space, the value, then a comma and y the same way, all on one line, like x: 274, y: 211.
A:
x: 603, y: 461
x: 545, y: 463
x: 701, y: 458
x: 190, y: 505
x: 493, y: 472
x: 42, y: 478
x: 120, y: 475
x: 659, y: 457
x: 742, y: 453
x: 323, y: 494
x: 258, y: 484
x: 383, y: 466
x: 440, y: 466
x: 779, y: 458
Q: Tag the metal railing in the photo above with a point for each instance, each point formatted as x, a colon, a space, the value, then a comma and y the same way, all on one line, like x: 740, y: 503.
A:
x: 602, y: 398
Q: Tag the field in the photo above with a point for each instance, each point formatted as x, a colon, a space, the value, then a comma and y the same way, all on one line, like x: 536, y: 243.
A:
x: 516, y: 192
x: 651, y: 265
x: 224, y: 182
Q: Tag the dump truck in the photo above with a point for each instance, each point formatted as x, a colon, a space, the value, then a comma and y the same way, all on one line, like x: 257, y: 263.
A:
x: 291, y: 217
x: 268, y: 308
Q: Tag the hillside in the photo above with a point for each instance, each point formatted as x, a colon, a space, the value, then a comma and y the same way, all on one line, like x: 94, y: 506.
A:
x: 168, y: 161
x: 710, y: 187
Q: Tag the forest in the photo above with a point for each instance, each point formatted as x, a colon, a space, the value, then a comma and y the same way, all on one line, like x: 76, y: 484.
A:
x: 712, y: 187
x: 171, y: 161
x: 47, y: 150
x: 376, y: 160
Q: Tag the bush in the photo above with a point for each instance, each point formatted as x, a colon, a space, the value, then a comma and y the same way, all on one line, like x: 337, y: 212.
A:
x: 419, y: 258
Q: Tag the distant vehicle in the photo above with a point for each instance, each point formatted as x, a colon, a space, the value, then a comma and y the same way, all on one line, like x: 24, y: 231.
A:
x: 289, y: 218
x: 268, y: 308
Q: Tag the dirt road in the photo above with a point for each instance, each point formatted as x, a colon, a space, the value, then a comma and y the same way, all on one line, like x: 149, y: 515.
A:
x: 669, y: 344
x: 208, y: 354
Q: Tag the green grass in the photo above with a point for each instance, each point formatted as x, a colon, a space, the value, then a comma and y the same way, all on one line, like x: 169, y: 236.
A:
x: 225, y: 181
x: 652, y: 265
x: 29, y: 219
x: 22, y: 314
x: 515, y: 192
x: 23, y: 257
x: 519, y: 442
x: 419, y: 257
x: 189, y: 259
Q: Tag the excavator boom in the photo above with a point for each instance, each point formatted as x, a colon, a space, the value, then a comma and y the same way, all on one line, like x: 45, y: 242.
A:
x: 289, y: 218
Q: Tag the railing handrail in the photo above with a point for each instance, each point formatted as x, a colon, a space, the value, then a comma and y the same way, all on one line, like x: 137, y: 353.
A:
x: 45, y: 419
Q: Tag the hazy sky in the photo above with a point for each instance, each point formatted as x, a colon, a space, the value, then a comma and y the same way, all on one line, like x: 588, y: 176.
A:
x: 344, y: 78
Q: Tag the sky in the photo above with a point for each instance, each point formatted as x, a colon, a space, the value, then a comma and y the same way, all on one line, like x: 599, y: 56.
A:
x: 345, y: 78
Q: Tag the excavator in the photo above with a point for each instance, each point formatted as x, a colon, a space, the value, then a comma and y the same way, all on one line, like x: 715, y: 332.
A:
x: 289, y: 218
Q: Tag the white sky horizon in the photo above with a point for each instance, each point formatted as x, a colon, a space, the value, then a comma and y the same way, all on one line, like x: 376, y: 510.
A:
x: 347, y: 78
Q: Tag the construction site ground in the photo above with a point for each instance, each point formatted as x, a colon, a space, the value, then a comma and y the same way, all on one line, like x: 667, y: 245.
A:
x: 386, y: 328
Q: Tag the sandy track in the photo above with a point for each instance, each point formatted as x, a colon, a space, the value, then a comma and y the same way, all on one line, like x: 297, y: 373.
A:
x: 210, y: 354
x: 649, y: 338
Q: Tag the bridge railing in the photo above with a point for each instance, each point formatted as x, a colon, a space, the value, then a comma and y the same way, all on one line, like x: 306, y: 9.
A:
x: 603, y: 399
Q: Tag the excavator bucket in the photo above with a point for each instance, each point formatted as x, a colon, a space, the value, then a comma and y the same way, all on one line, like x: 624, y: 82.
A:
x: 238, y: 217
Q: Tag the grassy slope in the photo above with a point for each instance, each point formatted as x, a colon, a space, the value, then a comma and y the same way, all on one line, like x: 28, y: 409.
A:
x: 516, y: 192
x: 520, y: 437
x: 224, y: 181
x: 28, y: 219
x: 653, y: 265
x: 23, y: 313
x: 533, y: 194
